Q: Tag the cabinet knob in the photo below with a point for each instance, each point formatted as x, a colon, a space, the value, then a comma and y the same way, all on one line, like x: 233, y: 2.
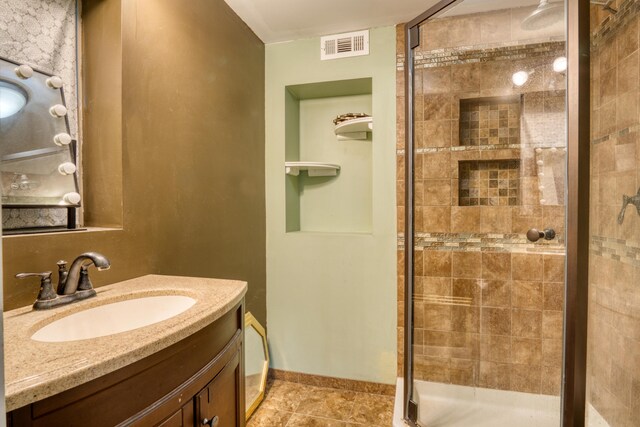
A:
x: 213, y: 422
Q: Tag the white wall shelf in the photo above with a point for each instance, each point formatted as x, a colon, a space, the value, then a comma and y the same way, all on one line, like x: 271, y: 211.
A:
x: 312, y: 168
x: 354, y: 128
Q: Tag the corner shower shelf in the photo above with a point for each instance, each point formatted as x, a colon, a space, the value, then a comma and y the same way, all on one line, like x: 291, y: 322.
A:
x: 354, y: 128
x: 312, y: 168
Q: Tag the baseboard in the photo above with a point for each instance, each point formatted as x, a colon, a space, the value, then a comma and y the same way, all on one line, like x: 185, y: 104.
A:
x: 331, y: 382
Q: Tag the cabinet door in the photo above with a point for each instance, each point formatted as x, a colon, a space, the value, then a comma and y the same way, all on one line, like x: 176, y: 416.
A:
x: 183, y: 417
x: 219, y: 403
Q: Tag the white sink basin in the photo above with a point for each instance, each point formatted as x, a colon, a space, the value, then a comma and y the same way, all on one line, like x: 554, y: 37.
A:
x: 114, y: 318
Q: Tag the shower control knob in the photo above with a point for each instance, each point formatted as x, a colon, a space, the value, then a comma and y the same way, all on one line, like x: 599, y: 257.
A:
x: 534, y: 234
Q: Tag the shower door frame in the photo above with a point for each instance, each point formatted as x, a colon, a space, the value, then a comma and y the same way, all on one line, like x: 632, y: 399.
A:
x: 574, y: 369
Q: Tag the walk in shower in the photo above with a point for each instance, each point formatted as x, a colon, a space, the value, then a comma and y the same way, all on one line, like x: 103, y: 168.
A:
x: 495, y: 199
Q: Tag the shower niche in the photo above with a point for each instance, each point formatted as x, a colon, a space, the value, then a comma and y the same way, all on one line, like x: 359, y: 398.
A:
x: 328, y: 174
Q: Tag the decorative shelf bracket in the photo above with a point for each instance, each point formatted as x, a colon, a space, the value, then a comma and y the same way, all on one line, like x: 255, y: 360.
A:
x: 354, y: 128
x: 312, y: 168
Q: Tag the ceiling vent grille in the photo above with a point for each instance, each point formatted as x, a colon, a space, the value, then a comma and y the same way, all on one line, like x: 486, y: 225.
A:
x: 344, y: 45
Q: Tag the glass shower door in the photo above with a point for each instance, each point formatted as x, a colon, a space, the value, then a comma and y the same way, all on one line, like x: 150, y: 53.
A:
x: 486, y: 235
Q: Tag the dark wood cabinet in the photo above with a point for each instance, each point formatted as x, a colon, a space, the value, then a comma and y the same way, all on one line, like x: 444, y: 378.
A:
x: 198, y: 378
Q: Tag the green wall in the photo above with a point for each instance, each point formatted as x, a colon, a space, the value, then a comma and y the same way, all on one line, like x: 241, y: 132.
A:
x: 331, y: 295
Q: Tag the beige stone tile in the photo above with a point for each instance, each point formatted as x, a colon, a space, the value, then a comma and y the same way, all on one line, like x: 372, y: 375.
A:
x: 465, y: 219
x: 552, y: 352
x: 526, y: 323
x: 552, y: 322
x: 463, y: 372
x: 465, y: 319
x: 551, y: 380
x: 525, y: 378
x: 437, y: 219
x: 437, y: 192
x: 527, y: 295
x: 437, y: 263
x: 467, y: 289
x: 496, y: 265
x: 495, y: 348
x: 494, y: 375
x: 467, y: 264
x: 554, y: 268
x: 554, y: 296
x: 526, y: 267
x: 329, y: 403
x: 496, y: 321
x: 526, y: 351
x: 496, y: 293
x: 436, y: 80
x: 372, y: 410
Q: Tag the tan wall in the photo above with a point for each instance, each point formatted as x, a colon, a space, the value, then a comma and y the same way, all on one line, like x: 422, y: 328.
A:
x: 192, y: 147
x: 614, y: 292
x: 487, y: 303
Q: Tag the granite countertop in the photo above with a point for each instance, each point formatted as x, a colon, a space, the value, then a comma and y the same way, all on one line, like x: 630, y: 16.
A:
x: 36, y: 370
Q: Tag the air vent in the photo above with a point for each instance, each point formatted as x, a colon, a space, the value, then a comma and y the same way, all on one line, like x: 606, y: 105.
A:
x: 344, y: 45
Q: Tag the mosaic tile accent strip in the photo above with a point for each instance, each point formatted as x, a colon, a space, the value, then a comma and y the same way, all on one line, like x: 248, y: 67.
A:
x: 494, y: 121
x: 13, y: 219
x: 625, y: 251
x: 483, y: 53
x: 489, y: 183
x: 481, y: 242
x: 479, y: 53
x: 617, y: 134
x: 627, y: 10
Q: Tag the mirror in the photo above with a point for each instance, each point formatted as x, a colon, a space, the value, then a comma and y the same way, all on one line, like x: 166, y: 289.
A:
x: 37, y: 153
x: 256, y: 363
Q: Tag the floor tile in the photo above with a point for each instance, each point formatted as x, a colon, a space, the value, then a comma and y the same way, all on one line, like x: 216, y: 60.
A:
x: 285, y: 396
x: 372, y: 410
x: 267, y: 417
x: 299, y: 420
x: 328, y: 403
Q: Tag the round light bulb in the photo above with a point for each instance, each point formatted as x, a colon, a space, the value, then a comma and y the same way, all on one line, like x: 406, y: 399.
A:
x: 520, y: 78
x: 11, y: 101
x: 54, y: 82
x: 62, y: 139
x: 24, y: 71
x: 72, y: 198
x: 67, y: 168
x: 560, y: 64
x: 58, y: 110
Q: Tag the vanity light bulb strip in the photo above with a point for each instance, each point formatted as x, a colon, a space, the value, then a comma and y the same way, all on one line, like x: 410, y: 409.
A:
x: 72, y: 198
x: 24, y: 71
x: 58, y: 110
x: 54, y: 82
x: 67, y: 168
x: 62, y: 139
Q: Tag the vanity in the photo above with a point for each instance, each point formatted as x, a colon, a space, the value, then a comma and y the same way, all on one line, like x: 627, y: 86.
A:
x: 186, y: 370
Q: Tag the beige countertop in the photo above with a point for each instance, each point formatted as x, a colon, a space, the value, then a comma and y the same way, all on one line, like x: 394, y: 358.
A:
x: 36, y: 370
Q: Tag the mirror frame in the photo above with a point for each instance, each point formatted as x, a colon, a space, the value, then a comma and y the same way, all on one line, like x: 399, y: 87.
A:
x: 251, y: 322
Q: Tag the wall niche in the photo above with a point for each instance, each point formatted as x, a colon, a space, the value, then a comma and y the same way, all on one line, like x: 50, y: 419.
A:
x: 490, y: 121
x: 340, y: 201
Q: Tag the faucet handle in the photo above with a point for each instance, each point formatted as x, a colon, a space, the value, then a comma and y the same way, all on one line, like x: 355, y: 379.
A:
x: 46, y: 289
x: 62, y: 276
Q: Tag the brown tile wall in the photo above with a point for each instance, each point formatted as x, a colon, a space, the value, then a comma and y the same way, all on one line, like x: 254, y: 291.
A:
x: 485, y: 316
x: 614, y: 294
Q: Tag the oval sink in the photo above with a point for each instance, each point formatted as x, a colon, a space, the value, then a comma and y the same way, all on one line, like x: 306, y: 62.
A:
x: 114, y: 318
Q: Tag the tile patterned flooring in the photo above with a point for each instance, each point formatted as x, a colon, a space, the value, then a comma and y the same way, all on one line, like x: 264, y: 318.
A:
x: 288, y: 404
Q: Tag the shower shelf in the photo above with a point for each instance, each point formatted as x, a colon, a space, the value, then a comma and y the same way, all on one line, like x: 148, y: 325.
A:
x: 312, y: 168
x: 354, y: 128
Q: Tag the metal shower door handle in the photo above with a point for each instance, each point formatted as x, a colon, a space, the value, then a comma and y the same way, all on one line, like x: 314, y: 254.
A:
x: 534, y: 234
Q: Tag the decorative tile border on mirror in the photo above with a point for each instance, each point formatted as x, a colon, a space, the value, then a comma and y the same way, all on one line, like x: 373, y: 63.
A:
x: 14, y: 219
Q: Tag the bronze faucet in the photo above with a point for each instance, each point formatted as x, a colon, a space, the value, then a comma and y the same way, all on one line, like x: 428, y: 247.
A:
x: 73, y: 285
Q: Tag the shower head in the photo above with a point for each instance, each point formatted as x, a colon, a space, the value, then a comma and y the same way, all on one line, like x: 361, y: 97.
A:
x: 544, y: 15
x: 606, y: 5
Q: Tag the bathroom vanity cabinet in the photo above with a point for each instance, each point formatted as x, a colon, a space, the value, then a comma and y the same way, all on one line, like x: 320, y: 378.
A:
x: 196, y: 381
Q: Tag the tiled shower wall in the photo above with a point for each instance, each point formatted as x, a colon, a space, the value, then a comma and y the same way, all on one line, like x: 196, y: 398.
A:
x: 488, y: 304
x: 614, y: 296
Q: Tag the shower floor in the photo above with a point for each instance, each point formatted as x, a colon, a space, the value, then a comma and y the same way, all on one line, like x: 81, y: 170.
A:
x: 447, y: 405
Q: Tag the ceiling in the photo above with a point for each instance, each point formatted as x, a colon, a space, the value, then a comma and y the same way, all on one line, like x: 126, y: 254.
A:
x: 283, y: 20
